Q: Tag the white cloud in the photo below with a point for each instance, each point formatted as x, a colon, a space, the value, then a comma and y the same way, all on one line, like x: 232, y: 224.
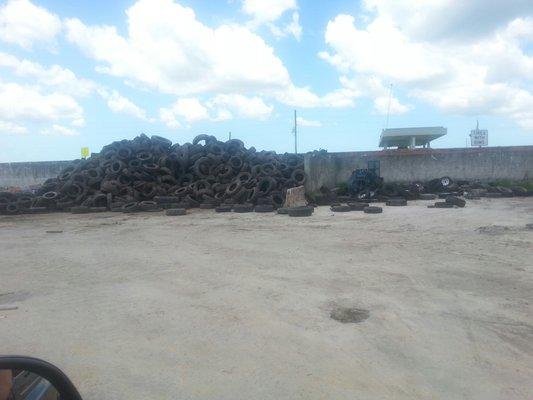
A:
x: 26, y: 103
x: 491, y: 73
x: 120, y: 104
x: 62, y: 79
x: 10, y: 127
x: 185, y: 59
x: 23, y: 23
x: 291, y: 28
x: 267, y: 11
x: 235, y: 105
x: 221, y: 107
x: 308, y: 122
x: 59, y: 130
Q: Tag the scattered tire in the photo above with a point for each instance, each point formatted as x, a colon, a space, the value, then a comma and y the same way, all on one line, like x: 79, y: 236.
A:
x: 243, y: 208
x: 340, y: 208
x: 37, y: 210
x: 494, y: 195
x: 175, y: 211
x: 456, y: 201
x: 148, y: 205
x: 207, y: 206
x: 223, y: 209
x: 443, y: 204
x: 283, y: 210
x: 427, y: 196
x: 396, y: 202
x: 97, y: 209
x: 305, y: 211
x: 12, y: 209
x: 373, y: 210
x: 130, y: 207
x: 264, y: 208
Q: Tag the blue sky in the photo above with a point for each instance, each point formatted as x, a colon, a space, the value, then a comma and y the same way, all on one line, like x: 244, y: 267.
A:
x: 76, y: 74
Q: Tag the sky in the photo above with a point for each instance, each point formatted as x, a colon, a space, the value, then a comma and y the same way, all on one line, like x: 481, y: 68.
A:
x: 85, y: 73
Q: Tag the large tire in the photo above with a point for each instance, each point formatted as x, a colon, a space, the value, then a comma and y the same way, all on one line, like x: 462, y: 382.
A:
x: 283, y: 210
x: 80, y: 210
x: 130, y: 207
x: 224, y: 208
x: 396, y: 202
x: 443, y: 204
x: 176, y: 211
x: 207, y: 206
x: 243, y: 208
x: 427, y: 196
x: 373, y: 210
x: 456, y: 201
x: 301, y: 211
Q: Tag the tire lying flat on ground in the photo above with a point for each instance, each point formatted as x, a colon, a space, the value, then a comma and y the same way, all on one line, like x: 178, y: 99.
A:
x: 243, y: 208
x: 224, y: 208
x: 340, y: 208
x: 207, y: 206
x: 305, y: 211
x: 443, y: 204
x: 456, y: 201
x: 373, y: 210
x: 427, y: 196
x: 396, y: 202
x: 283, y: 210
x: 80, y: 210
x: 176, y: 211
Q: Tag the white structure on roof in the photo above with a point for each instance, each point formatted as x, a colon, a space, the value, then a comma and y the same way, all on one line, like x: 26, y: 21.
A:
x: 404, y: 138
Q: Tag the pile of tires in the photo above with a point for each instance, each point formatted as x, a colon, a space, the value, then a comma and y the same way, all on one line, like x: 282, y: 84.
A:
x: 127, y: 174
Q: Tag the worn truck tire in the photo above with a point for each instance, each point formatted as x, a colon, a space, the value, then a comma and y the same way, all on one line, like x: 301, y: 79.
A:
x: 80, y: 210
x: 207, y: 206
x: 283, y: 210
x: 224, y: 208
x: 443, y: 204
x: 340, y: 208
x: 373, y: 210
x: 243, y: 208
x: 304, y: 211
x: 427, y: 196
x: 456, y: 201
x: 175, y: 211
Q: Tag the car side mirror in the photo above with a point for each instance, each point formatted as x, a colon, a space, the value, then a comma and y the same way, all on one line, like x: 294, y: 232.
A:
x: 31, y: 378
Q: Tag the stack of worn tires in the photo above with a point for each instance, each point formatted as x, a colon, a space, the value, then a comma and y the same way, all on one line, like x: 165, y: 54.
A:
x: 129, y: 173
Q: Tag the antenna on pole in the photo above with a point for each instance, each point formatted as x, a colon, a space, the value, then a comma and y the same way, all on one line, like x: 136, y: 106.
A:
x: 295, y: 134
x: 388, y: 107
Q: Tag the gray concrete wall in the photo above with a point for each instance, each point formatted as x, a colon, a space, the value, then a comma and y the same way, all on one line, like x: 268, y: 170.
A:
x: 24, y: 174
x: 484, y: 164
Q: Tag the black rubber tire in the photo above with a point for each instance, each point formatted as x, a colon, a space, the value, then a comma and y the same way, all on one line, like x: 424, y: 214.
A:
x: 340, y: 208
x: 243, y: 208
x: 427, y: 196
x: 283, y: 210
x: 443, y: 195
x: 301, y: 211
x: 373, y: 210
x: 166, y: 199
x: 175, y: 211
x: 37, y: 210
x: 148, y: 205
x: 207, y: 206
x: 80, y: 210
x: 456, y: 201
x: 494, y: 195
x: 224, y: 208
x: 130, y: 207
x: 443, y: 204
x: 97, y: 209
x: 357, y: 206
x: 264, y: 208
x: 167, y: 206
x: 396, y: 202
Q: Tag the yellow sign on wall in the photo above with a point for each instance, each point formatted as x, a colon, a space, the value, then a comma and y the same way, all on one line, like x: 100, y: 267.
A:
x: 84, y: 152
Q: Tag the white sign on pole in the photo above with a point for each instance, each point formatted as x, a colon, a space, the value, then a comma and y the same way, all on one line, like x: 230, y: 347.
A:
x: 479, y: 137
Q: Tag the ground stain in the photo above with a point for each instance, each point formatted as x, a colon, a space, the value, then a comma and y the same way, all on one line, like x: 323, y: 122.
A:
x: 349, y: 315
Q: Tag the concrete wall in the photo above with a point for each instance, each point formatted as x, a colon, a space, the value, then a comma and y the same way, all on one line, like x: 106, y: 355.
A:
x: 29, y: 173
x: 484, y: 164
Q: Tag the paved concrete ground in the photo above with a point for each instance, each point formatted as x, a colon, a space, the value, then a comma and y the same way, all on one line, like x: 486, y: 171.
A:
x: 218, y: 306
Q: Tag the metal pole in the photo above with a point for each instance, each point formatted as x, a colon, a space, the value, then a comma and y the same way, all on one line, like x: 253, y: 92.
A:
x: 295, y: 134
x: 230, y: 135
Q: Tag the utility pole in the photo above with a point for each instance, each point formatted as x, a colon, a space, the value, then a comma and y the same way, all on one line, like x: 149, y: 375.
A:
x: 295, y: 134
x: 230, y: 135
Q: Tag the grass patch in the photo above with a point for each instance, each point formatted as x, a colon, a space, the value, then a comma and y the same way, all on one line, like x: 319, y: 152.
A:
x: 528, y: 185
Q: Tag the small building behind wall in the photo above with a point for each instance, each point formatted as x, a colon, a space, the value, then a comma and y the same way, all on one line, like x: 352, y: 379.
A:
x: 409, y: 138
